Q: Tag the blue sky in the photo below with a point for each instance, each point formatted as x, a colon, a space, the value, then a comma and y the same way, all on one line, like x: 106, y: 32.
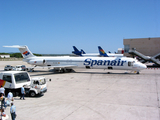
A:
x: 54, y: 26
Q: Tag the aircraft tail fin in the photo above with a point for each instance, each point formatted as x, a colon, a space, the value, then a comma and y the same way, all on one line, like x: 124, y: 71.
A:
x: 26, y: 53
x: 82, y: 51
x: 102, y: 52
x: 76, y: 51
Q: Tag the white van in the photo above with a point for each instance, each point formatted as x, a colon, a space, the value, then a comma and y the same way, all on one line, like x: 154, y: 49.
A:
x: 8, y: 67
x: 17, y: 68
x: 14, y: 80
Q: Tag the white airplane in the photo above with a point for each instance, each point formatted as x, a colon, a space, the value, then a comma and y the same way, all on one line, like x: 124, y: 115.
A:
x: 67, y: 63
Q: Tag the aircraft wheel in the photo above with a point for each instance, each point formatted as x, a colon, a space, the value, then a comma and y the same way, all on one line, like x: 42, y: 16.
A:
x: 68, y: 70
x: 137, y: 72
x: 63, y: 71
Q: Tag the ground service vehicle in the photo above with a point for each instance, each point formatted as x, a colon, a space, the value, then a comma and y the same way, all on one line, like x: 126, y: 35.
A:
x: 8, y: 67
x: 14, y: 80
x: 20, y: 68
x: 38, y: 86
x: 17, y: 68
x: 23, y: 67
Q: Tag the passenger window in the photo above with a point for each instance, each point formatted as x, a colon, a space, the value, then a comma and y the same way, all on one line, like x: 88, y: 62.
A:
x: 7, y: 78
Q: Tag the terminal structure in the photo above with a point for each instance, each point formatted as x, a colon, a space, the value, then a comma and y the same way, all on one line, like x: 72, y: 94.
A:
x: 148, y: 49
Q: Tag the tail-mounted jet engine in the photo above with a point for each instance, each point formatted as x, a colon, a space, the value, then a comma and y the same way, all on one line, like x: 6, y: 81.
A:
x: 37, y: 62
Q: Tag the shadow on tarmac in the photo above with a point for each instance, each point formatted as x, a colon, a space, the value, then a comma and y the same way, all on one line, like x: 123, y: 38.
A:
x: 81, y: 72
x: 27, y: 96
x: 106, y: 73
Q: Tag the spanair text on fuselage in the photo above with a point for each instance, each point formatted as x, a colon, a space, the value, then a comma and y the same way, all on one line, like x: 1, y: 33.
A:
x: 104, y: 63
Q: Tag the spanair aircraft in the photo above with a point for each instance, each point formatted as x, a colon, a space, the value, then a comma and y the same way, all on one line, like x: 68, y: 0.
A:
x: 67, y: 63
x: 100, y: 54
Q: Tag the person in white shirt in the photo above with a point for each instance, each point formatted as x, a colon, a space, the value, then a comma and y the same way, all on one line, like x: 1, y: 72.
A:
x: 9, y: 97
x: 2, y: 90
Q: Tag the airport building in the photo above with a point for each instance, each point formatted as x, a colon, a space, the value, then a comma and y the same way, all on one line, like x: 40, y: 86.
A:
x: 4, y: 56
x: 146, y: 46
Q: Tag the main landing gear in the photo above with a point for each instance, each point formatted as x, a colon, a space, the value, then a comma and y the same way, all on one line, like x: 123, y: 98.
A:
x: 63, y: 70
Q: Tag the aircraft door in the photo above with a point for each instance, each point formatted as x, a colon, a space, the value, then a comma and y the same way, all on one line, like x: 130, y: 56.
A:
x: 130, y: 64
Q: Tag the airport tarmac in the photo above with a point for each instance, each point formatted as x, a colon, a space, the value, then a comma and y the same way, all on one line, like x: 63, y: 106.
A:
x: 92, y: 94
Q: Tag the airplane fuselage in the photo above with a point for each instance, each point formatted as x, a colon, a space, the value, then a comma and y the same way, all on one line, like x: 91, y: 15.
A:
x: 119, y: 63
x: 98, y: 55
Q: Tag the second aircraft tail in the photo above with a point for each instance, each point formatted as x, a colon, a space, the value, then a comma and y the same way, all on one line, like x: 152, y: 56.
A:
x: 102, y: 52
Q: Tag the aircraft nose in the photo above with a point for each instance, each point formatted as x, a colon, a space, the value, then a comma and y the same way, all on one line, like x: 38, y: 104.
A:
x: 140, y: 66
x: 143, y: 66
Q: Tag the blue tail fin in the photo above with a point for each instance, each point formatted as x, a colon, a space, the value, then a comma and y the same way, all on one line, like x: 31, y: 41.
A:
x: 82, y: 51
x: 102, y: 52
x: 76, y: 51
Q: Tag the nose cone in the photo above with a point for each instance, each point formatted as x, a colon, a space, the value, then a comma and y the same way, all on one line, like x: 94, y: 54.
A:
x: 143, y: 66
x: 139, y: 66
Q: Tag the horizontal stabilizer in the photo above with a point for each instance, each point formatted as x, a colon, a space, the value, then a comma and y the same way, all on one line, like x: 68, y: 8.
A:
x: 15, y: 46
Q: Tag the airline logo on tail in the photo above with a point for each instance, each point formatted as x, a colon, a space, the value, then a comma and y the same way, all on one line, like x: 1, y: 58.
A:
x: 26, y: 53
x: 102, y: 52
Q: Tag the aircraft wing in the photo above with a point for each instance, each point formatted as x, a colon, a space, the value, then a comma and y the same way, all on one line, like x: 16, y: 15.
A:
x: 56, y: 66
x: 63, y: 66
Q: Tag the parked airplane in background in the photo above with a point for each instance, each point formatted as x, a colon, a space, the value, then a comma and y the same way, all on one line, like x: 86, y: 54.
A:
x: 77, y: 52
x: 82, y: 53
x: 67, y: 63
x: 100, y: 54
